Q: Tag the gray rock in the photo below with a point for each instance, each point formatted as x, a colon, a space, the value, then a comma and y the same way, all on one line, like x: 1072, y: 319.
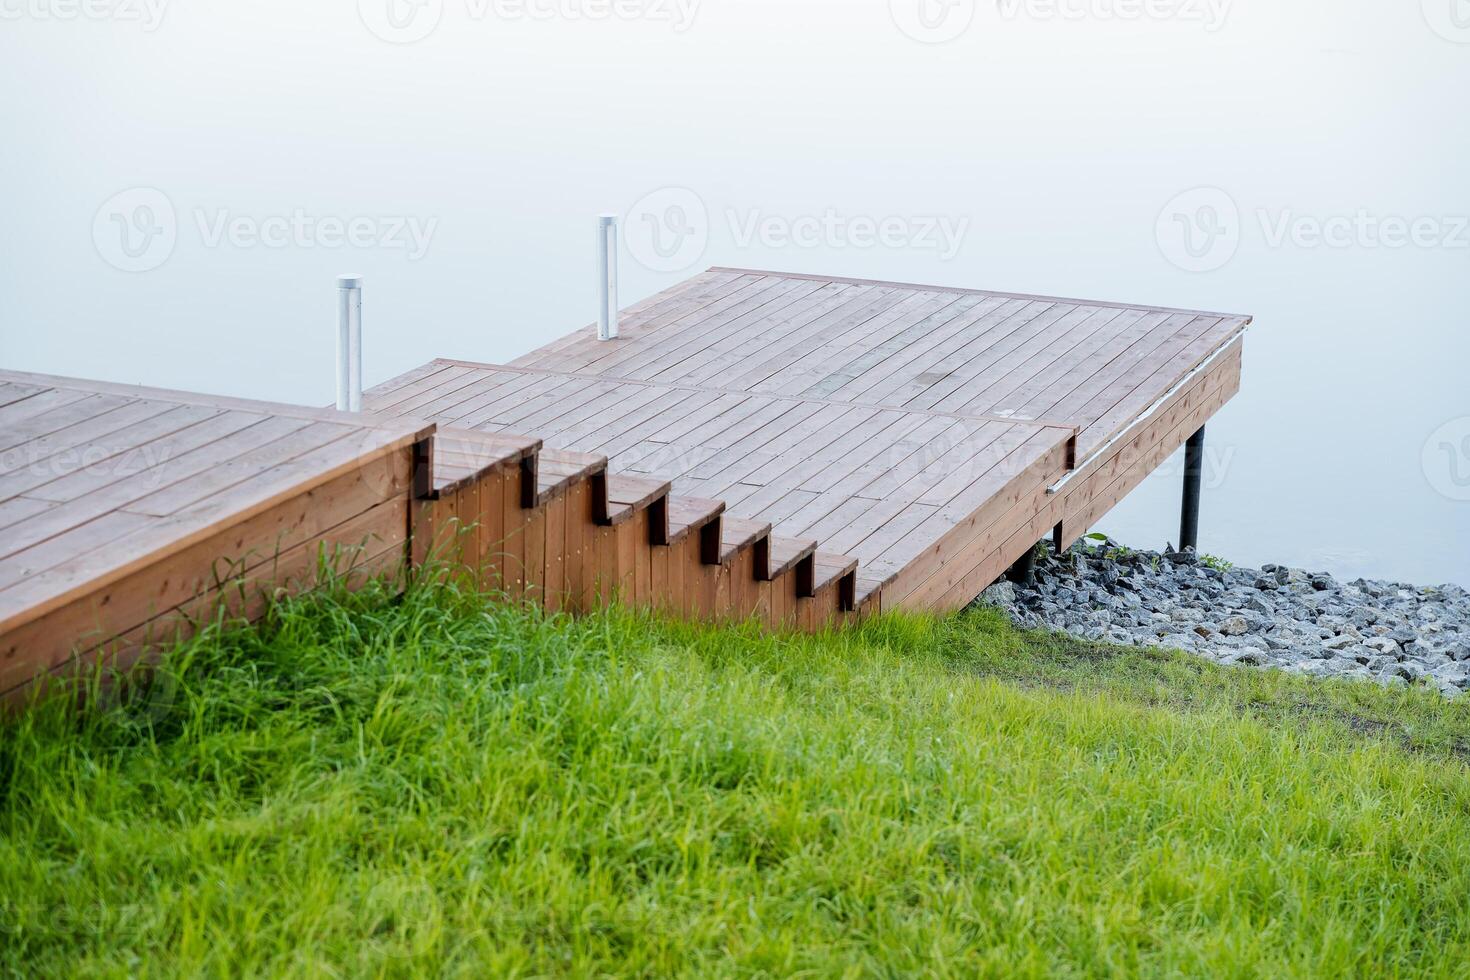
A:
x: 1386, y: 646
x: 1002, y: 594
x: 1234, y: 626
x: 1273, y: 617
x: 1258, y: 603
x: 1454, y: 673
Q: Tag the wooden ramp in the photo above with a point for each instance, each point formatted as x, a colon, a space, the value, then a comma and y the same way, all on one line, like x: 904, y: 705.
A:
x: 790, y: 449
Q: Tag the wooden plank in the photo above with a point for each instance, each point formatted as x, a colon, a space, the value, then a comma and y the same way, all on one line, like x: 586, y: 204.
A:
x: 223, y: 403
x: 699, y: 333
x: 801, y: 354
x: 1060, y: 353
x: 40, y: 593
x: 951, y: 289
x: 133, y: 449
x: 834, y: 344
x: 236, y: 467
x: 183, y: 573
x: 580, y: 564
x: 639, y: 333
x: 19, y: 508
x: 241, y: 591
x: 50, y: 399
x: 11, y: 392
x: 645, y: 324
x: 37, y: 426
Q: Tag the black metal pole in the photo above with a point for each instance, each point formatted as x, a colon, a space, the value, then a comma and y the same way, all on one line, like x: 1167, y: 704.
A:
x: 1023, y: 572
x: 1194, y: 468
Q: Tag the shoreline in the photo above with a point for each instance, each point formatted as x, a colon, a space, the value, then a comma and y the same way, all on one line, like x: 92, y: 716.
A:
x: 1271, y: 617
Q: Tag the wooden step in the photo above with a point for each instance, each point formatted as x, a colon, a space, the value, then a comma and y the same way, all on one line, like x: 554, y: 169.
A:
x: 690, y: 514
x: 462, y: 456
x: 840, y: 572
x: 629, y: 495
x: 793, y: 555
x: 870, y: 582
x: 788, y: 552
x: 559, y: 469
x: 739, y: 533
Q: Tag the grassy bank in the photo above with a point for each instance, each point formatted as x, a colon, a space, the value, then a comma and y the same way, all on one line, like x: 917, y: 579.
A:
x: 363, y: 786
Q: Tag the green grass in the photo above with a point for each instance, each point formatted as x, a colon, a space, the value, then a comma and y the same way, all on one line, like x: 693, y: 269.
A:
x: 363, y: 786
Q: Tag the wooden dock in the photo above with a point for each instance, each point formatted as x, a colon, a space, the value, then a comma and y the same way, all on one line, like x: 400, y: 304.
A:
x: 923, y: 431
x: 792, y: 448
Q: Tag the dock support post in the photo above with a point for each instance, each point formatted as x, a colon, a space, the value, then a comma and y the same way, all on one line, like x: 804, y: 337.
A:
x: 349, y: 343
x: 1023, y: 572
x: 607, y: 277
x: 1194, y: 467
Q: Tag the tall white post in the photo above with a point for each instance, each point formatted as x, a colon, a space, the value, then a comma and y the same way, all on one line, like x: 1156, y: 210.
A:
x: 607, y: 276
x: 349, y: 343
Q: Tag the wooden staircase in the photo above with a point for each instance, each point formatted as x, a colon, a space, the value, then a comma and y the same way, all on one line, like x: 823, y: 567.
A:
x: 555, y: 527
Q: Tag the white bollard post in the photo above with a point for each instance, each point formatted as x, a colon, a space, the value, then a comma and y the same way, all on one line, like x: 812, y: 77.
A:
x: 607, y: 277
x: 349, y: 343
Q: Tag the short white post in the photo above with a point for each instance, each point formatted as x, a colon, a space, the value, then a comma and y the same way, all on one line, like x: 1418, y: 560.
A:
x: 349, y: 343
x: 607, y: 277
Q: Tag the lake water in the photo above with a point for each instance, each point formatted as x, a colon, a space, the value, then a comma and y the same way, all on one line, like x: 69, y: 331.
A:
x: 184, y: 181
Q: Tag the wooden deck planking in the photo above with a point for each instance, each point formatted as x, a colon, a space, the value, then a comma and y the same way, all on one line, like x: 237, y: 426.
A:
x: 102, y: 482
x: 813, y: 469
x: 918, y: 359
x: 908, y: 431
x: 1082, y: 363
